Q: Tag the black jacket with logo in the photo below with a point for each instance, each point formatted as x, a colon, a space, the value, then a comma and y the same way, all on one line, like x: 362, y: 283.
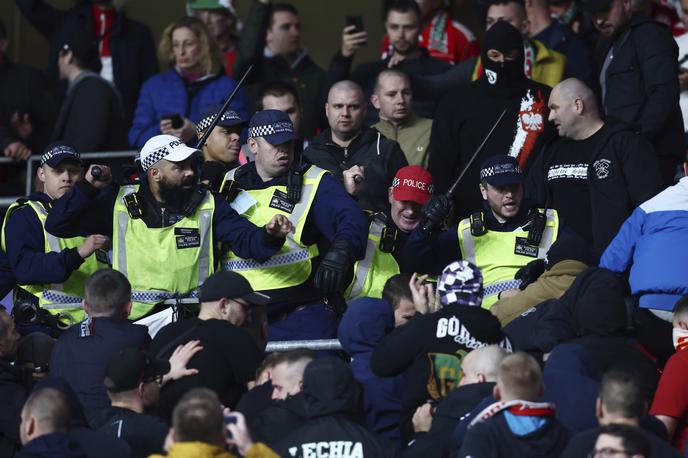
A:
x: 380, y: 156
x: 429, y: 350
x: 329, y: 405
x: 622, y: 174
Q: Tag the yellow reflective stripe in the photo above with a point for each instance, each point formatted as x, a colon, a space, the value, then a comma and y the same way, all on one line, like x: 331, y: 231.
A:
x: 363, y: 266
x: 466, y: 241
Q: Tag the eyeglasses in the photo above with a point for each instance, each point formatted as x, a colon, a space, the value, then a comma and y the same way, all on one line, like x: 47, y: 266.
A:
x: 608, y: 452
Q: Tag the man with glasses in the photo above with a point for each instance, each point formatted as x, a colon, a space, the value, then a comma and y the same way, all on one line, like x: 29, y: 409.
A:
x: 617, y: 441
x: 230, y: 356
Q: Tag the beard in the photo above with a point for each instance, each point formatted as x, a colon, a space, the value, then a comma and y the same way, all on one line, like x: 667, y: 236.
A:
x: 175, y: 195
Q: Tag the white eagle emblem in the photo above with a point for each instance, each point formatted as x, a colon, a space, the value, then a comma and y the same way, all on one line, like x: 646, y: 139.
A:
x: 531, y: 121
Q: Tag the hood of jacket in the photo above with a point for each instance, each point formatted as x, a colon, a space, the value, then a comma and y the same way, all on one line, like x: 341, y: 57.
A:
x: 596, y: 302
x: 365, y: 323
x: 58, y: 445
x: 567, y: 267
x: 329, y: 388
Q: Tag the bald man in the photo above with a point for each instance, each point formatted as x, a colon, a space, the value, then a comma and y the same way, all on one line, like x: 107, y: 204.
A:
x: 598, y: 171
x: 360, y: 156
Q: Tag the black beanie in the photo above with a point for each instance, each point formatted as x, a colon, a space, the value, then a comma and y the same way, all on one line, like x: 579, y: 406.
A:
x: 85, y: 49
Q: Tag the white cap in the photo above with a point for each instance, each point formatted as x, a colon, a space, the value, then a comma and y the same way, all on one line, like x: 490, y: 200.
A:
x: 166, y: 147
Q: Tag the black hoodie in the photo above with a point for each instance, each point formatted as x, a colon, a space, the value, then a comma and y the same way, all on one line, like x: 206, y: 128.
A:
x: 330, y: 397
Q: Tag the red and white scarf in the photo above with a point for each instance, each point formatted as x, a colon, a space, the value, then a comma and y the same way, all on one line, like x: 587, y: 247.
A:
x: 516, y: 407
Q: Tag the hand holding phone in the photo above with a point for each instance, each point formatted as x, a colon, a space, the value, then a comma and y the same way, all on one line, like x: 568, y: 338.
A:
x: 354, y: 36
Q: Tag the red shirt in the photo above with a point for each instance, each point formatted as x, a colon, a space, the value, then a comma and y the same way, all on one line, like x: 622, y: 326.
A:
x: 671, y: 398
x: 444, y: 39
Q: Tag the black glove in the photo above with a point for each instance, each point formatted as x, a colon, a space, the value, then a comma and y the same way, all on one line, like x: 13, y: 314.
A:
x: 334, y: 267
x: 434, y: 214
x: 530, y: 273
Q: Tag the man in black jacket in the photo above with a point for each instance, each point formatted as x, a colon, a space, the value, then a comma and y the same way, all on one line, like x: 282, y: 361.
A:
x: 596, y: 172
x: 330, y: 397
x: 402, y: 24
x: 466, y: 115
x: 637, y: 69
x: 127, y: 50
x: 360, y: 156
x: 430, y: 348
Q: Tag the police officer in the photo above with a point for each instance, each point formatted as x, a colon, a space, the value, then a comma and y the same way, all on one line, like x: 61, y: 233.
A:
x: 163, y: 229
x: 503, y: 236
x: 51, y: 271
x: 223, y: 145
x: 329, y: 230
x: 411, y: 189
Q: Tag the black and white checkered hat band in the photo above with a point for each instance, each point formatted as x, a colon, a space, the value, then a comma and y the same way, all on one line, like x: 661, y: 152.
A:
x: 461, y: 282
x: 57, y: 150
x: 148, y: 160
x: 270, y: 129
x: 499, y: 169
x: 226, y: 116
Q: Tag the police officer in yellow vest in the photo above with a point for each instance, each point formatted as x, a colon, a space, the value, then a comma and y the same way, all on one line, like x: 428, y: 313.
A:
x: 411, y: 188
x: 505, y: 235
x: 329, y: 230
x: 164, y: 228
x: 51, y: 271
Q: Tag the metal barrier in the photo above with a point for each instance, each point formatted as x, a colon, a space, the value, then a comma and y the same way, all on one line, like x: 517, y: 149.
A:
x: 7, y: 201
x: 288, y: 345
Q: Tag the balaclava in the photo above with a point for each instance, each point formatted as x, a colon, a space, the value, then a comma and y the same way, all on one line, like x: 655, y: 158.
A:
x: 503, y: 77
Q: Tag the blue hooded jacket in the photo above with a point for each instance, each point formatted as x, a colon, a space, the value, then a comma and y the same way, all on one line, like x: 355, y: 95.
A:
x: 364, y: 324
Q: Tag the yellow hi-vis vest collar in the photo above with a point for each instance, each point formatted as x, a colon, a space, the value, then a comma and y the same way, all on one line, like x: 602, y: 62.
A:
x: 291, y: 266
x: 372, y: 272
x: 62, y: 299
x: 162, y: 263
x: 495, y: 253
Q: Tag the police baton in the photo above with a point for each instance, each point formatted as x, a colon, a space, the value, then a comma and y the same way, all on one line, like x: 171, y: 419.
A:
x: 452, y: 190
x: 218, y: 115
x: 450, y: 193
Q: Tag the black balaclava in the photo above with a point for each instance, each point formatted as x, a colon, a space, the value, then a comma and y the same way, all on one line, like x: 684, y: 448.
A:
x: 503, y: 78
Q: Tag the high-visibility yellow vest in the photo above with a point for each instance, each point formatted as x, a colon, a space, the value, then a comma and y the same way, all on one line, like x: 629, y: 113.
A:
x: 166, y: 262
x: 61, y: 299
x: 372, y: 272
x: 292, y: 265
x: 499, y: 255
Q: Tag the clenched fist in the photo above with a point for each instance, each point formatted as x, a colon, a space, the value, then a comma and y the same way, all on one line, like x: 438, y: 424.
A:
x: 279, y: 226
x: 92, y: 243
x: 102, y: 180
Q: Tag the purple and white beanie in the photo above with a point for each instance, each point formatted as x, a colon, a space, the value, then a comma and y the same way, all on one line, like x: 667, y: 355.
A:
x: 461, y: 283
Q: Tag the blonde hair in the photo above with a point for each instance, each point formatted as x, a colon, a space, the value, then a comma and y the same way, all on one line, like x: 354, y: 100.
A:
x: 519, y: 377
x: 211, y: 58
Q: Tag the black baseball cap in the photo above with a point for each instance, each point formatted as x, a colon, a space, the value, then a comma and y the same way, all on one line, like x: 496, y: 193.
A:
x: 228, y: 119
x: 132, y: 366
x: 230, y: 285
x: 501, y: 170
x: 55, y: 153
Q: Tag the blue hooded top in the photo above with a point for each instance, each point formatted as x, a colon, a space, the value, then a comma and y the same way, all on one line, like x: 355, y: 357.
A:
x: 364, y: 324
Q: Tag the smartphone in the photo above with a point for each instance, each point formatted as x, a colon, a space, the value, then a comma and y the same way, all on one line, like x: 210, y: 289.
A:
x: 356, y: 21
x: 229, y: 419
x: 177, y: 121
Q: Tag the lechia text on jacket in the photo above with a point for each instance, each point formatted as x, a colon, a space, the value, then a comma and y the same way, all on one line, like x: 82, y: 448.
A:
x: 332, y: 449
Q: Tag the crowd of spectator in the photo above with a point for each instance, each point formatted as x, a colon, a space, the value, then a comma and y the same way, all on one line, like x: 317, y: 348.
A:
x: 465, y: 248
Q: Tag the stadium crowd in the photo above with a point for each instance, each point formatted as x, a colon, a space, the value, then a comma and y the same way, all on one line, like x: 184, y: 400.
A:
x: 464, y: 248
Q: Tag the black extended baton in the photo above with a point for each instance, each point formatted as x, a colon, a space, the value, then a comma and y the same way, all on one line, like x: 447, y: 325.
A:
x: 217, y: 116
x: 452, y: 190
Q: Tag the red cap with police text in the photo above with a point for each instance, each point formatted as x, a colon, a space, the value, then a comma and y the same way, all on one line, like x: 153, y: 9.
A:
x: 412, y: 183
